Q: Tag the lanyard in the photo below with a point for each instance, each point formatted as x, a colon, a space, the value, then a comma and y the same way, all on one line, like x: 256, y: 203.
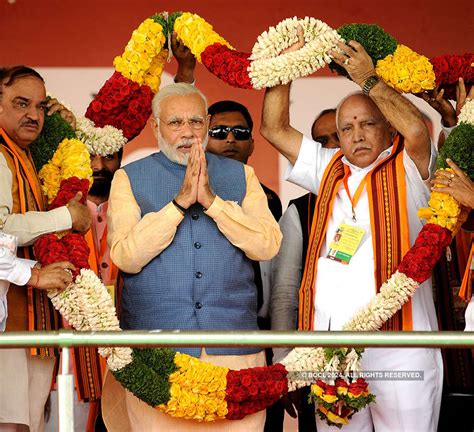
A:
x: 354, y: 200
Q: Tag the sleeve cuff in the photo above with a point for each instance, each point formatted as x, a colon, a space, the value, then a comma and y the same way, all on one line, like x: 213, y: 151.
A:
x: 216, y: 208
x: 447, y: 130
x: 21, y: 272
x: 173, y: 213
x: 62, y: 218
x: 193, y: 83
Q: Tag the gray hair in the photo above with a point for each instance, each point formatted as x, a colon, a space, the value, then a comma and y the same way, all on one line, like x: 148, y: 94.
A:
x: 177, y: 89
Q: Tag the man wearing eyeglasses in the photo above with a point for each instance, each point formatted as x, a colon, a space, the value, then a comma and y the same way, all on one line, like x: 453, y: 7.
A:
x: 184, y: 226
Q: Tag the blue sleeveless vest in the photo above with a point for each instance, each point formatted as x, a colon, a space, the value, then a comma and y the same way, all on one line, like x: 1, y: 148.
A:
x: 200, y: 281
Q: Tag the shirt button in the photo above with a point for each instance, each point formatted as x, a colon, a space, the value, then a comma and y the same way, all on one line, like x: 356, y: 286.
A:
x: 99, y: 219
x: 198, y: 305
x: 195, y: 216
x: 197, y: 245
x: 104, y: 265
x: 198, y: 275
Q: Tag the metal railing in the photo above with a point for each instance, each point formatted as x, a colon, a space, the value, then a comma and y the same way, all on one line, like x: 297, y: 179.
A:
x: 66, y: 339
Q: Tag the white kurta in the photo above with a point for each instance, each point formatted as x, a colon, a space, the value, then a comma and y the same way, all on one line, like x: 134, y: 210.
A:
x: 12, y: 270
x: 341, y: 290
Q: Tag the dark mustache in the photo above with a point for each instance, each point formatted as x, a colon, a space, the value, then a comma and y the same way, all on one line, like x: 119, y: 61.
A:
x: 103, y: 173
x: 30, y: 122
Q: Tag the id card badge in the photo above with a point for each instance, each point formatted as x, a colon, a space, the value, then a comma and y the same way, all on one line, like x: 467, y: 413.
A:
x: 345, y: 243
x: 8, y: 245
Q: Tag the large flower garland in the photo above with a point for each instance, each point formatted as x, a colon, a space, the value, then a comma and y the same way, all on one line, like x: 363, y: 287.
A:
x: 181, y: 385
x: 122, y: 107
x: 144, y: 57
x: 185, y: 387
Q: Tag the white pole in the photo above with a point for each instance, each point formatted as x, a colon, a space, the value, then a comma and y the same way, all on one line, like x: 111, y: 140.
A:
x: 65, y: 395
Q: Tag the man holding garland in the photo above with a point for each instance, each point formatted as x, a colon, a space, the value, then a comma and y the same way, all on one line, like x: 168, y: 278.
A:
x: 370, y: 191
x: 25, y: 377
x: 184, y: 234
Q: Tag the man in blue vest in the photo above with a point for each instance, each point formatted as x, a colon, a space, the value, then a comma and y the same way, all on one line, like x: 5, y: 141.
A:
x: 184, y: 226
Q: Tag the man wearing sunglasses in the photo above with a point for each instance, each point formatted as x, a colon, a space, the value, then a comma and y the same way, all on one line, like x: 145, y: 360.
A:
x: 230, y: 135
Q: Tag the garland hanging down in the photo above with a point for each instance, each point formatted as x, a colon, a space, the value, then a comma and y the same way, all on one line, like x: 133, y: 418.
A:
x: 175, y: 383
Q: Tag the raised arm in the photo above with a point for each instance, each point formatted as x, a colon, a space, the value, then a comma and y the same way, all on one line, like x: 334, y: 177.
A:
x: 275, y: 125
x: 398, y: 110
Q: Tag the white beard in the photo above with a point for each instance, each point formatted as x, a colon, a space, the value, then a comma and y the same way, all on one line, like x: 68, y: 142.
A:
x: 173, y: 154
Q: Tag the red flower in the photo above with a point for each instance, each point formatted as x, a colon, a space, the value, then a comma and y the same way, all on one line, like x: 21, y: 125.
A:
x: 123, y: 104
x: 78, y: 250
x: 253, y: 390
x: 449, y: 68
x: 228, y: 65
x: 419, y: 261
x: 68, y: 189
x: 341, y: 383
x: 49, y: 249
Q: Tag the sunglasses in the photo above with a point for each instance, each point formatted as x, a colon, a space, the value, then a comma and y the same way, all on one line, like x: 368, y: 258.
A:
x: 220, y: 132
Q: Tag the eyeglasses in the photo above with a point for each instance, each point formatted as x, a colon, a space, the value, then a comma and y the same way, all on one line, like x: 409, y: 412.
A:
x: 177, y: 124
x: 220, y: 132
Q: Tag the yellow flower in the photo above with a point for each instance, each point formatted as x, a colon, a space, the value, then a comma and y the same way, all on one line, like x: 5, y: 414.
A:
x: 336, y: 419
x: 196, y: 33
x: 214, y: 386
x: 318, y: 391
x: 50, y: 177
x: 333, y: 417
x: 180, y: 412
x: 211, y: 405
x: 174, y: 377
x: 222, y: 409
x: 184, y: 399
x: 209, y: 418
x: 406, y: 71
x: 191, y: 411
x: 144, y: 46
x: 182, y: 360
x: 329, y: 398
x: 342, y: 390
x: 70, y: 159
x: 200, y: 411
x: 220, y: 395
x: 442, y: 210
x: 153, y: 75
x: 175, y: 390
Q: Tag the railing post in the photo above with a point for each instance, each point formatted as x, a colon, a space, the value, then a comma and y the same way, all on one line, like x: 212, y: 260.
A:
x: 65, y: 394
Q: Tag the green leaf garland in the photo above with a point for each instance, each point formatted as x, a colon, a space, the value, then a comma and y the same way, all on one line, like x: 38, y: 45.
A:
x: 55, y: 129
x: 459, y: 147
x: 376, y: 41
x: 147, y: 376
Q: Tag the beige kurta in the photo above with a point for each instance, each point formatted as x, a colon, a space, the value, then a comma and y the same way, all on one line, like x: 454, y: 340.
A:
x: 134, y: 241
